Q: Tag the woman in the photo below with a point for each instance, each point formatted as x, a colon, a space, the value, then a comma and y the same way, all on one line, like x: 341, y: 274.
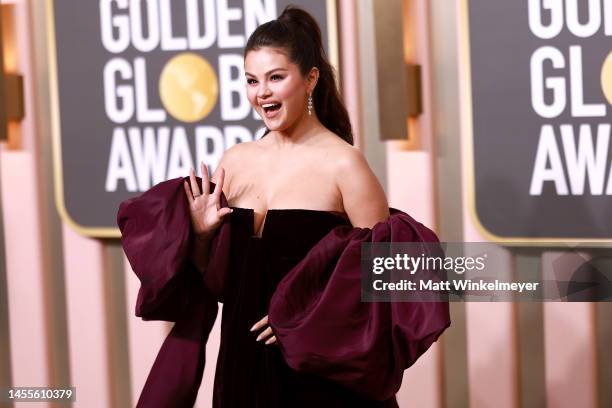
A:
x: 291, y: 85
x: 285, y: 211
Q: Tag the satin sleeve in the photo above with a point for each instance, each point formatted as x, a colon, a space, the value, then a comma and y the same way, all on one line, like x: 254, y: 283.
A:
x: 157, y: 238
x: 323, y: 328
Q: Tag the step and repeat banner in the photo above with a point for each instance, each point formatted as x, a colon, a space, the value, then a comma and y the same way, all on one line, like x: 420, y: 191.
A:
x: 540, y: 74
x: 143, y: 90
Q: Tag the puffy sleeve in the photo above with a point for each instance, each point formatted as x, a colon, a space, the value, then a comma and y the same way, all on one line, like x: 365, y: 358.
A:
x: 156, y: 236
x: 323, y: 328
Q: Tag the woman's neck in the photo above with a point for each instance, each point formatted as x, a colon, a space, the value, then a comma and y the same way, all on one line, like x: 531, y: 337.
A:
x: 301, y: 133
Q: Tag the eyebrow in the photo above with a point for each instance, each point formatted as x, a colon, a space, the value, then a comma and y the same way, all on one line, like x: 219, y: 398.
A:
x: 269, y: 72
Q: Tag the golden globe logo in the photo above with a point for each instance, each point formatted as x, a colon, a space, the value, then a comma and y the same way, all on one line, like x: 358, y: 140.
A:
x: 188, y: 87
x: 606, y: 78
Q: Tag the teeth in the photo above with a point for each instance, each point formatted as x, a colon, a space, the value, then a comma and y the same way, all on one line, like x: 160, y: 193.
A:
x: 268, y: 105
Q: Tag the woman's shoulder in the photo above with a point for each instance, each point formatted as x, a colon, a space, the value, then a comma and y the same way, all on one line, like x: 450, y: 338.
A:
x: 239, y: 150
x: 330, y: 141
x: 238, y: 155
x: 346, y: 157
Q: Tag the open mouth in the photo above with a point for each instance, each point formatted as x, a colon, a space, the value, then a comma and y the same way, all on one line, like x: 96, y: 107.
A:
x: 271, y: 107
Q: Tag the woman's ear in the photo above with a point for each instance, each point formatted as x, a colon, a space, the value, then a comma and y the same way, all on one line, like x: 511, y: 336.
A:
x: 312, y: 79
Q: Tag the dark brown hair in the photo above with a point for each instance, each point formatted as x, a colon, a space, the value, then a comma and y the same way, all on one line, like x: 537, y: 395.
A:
x: 297, y: 32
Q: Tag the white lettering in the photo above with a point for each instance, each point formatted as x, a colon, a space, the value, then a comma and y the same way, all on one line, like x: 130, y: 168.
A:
x: 536, y: 26
x: 118, y: 94
x: 224, y: 16
x: 143, y: 112
x: 150, y: 155
x: 108, y: 23
x: 142, y: 43
x: 548, y: 150
x: 168, y: 41
x: 180, y: 161
x: 556, y: 84
x: 232, y: 86
x: 579, y: 108
x: 198, y: 41
x: 594, y: 20
x: 586, y: 160
x: 256, y: 13
x: 119, y: 163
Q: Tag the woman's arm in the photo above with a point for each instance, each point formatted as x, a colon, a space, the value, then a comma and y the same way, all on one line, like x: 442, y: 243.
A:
x: 363, y: 197
x: 200, y: 253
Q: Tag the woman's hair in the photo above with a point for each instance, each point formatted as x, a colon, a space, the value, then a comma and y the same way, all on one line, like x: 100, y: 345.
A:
x: 297, y: 32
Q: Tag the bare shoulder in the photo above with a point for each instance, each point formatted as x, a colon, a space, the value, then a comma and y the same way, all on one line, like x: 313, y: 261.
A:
x: 363, y: 197
x: 234, y: 158
x: 233, y: 161
x: 347, y: 159
x: 237, y: 152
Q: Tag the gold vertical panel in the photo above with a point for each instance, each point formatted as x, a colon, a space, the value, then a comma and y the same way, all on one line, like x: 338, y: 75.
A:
x: 413, y: 90
x: 3, y: 116
x: 390, y: 70
x: 117, y: 324
x: 530, y: 334
x: 13, y: 97
x: 51, y: 225
x: 604, y: 357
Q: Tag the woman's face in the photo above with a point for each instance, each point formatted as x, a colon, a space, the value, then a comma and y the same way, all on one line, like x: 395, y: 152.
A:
x: 275, y: 87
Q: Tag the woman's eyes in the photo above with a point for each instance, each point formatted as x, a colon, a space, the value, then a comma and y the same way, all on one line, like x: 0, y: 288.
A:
x: 274, y: 77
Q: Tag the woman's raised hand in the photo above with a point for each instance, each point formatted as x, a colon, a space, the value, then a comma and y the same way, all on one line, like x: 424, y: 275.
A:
x: 205, y: 207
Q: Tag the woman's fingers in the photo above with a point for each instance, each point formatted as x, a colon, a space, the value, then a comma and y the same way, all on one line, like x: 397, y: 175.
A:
x: 205, y: 180
x: 260, y: 323
x: 224, y: 211
x: 219, y: 186
x: 195, y: 190
x: 265, y: 334
x: 187, y: 191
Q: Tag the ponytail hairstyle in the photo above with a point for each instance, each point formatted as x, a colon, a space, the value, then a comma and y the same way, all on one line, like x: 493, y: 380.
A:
x: 297, y: 32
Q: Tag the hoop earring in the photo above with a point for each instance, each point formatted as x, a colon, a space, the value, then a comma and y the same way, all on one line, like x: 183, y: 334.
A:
x: 310, y: 105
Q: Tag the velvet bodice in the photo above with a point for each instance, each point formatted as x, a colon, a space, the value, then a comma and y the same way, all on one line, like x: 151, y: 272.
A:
x: 250, y: 373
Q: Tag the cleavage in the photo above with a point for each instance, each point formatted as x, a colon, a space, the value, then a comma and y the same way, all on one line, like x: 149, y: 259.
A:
x: 258, y: 232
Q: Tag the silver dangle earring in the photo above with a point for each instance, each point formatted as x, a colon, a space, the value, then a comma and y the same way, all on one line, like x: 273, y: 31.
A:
x: 310, y: 105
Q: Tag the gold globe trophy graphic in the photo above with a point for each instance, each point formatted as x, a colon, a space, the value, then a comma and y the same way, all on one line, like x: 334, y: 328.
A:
x: 606, y: 78
x: 188, y: 87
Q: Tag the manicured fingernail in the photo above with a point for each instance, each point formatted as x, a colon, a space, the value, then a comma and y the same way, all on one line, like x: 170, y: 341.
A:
x: 258, y: 338
x: 253, y: 328
x: 269, y: 341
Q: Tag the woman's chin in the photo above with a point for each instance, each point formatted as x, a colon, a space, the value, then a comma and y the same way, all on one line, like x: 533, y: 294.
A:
x: 275, y: 125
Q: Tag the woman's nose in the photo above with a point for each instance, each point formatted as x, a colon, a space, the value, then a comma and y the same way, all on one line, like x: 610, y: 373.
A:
x: 263, y: 91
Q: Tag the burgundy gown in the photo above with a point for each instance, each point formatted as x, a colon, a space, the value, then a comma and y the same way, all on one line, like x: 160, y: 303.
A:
x: 304, y: 272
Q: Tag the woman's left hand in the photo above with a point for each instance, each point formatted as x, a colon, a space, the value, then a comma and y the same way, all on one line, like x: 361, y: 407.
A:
x: 266, y: 333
